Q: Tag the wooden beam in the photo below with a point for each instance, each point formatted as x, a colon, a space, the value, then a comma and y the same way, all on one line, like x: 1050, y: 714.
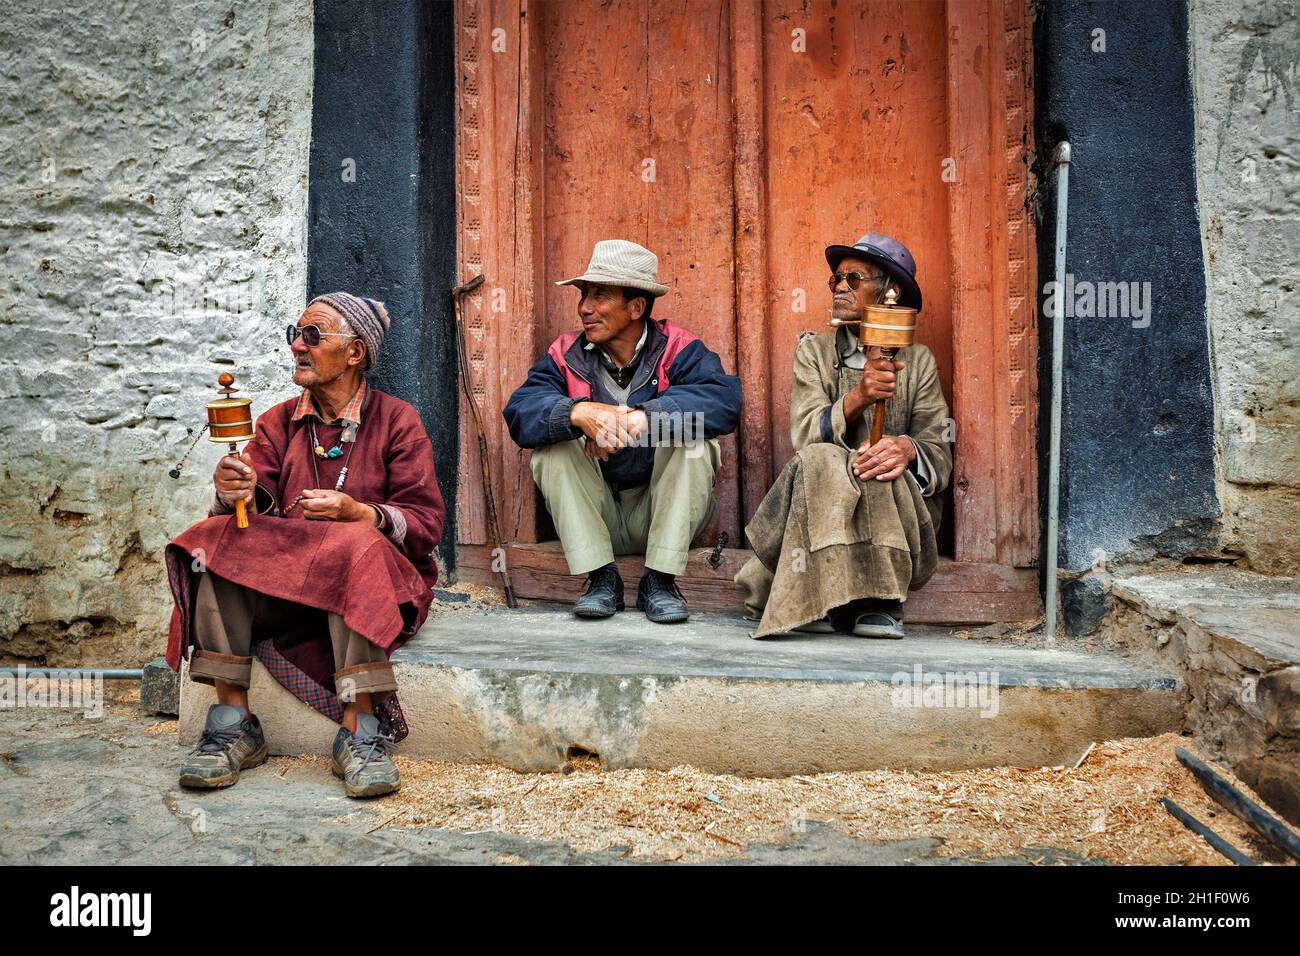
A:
x: 970, y: 209
x: 1015, y: 329
x: 957, y: 594
x: 500, y: 130
x: 749, y: 261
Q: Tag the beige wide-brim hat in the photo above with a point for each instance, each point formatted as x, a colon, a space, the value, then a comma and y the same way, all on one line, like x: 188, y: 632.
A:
x: 622, y: 263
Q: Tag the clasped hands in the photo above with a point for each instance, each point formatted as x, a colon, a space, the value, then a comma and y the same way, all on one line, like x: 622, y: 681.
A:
x: 609, y: 428
x: 235, y: 480
x: 885, y: 460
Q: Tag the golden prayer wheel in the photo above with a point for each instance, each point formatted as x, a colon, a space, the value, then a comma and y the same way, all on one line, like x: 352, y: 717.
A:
x: 230, y: 420
x: 889, y: 327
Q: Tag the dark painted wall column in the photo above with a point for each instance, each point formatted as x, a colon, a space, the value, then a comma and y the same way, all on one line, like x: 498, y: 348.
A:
x: 381, y: 198
x: 1138, y: 427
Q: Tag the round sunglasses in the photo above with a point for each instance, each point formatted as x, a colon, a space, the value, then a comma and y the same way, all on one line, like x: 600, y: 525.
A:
x: 311, y: 335
x: 854, y: 279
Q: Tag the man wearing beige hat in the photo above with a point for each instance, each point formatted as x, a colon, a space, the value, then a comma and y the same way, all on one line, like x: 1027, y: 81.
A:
x: 623, y: 416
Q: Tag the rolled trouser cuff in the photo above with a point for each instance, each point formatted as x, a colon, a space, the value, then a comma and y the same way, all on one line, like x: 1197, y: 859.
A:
x: 372, y: 678
x: 209, y: 666
x: 666, y: 560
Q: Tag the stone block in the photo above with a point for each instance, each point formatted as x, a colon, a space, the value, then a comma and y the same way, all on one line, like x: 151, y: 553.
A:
x: 160, y: 688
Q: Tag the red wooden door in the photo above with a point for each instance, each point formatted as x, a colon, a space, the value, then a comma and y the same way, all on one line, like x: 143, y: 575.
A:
x: 736, y: 138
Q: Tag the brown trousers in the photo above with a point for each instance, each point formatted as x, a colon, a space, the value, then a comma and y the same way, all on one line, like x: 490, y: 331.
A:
x: 225, y: 614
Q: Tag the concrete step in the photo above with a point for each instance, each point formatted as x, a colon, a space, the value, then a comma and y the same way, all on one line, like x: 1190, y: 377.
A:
x: 1233, y: 637
x: 531, y: 688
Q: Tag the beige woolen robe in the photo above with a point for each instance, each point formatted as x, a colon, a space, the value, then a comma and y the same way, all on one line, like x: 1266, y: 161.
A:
x: 822, y: 537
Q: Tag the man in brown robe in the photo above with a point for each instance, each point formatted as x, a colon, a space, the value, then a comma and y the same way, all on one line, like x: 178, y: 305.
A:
x: 335, y: 569
x: 849, y: 527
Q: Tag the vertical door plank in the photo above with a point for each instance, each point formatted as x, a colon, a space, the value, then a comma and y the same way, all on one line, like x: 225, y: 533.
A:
x: 1017, y: 475
x: 975, y: 398
x: 499, y: 98
x: 751, y: 250
x: 638, y: 146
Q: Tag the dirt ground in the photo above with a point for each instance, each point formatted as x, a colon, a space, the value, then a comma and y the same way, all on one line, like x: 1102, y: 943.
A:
x: 1107, y: 809
x: 128, y: 808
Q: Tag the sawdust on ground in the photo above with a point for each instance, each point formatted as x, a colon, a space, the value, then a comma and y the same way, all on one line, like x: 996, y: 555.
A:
x: 1108, y: 808
x: 480, y: 597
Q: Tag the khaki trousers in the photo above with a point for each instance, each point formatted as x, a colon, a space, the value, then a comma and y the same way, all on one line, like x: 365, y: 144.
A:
x: 225, y: 614
x: 659, y: 520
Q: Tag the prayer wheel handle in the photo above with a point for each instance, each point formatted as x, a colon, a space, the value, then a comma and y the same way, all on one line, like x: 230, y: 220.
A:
x: 878, y: 414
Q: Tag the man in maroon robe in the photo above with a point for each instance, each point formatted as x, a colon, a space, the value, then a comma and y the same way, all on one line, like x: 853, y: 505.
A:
x: 333, y: 572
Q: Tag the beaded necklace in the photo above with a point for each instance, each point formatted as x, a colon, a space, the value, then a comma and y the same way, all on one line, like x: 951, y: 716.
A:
x: 316, y: 453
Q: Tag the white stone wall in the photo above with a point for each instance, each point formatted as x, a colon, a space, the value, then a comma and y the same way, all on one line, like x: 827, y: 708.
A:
x: 1246, y: 79
x: 153, y: 191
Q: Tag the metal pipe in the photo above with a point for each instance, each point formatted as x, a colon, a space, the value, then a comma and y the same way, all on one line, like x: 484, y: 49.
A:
x: 107, y: 673
x: 1062, y: 160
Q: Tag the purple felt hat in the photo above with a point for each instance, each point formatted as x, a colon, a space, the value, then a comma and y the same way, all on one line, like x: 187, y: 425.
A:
x: 891, y: 255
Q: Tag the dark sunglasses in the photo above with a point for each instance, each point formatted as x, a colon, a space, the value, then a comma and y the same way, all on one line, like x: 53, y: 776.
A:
x: 311, y: 335
x: 854, y: 279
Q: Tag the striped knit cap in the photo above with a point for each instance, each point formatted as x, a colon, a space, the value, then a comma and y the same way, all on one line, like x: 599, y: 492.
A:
x: 367, y: 319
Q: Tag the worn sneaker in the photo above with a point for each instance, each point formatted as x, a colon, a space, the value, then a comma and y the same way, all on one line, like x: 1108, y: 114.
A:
x: 361, y: 760
x: 604, y: 594
x: 658, y: 596
x: 875, y: 618
x: 231, y: 742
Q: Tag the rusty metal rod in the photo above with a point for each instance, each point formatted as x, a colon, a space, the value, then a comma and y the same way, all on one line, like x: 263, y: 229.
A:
x: 1239, y: 805
x: 1205, y: 833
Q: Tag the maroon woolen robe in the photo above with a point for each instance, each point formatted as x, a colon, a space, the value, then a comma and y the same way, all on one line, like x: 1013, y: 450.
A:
x: 350, y: 568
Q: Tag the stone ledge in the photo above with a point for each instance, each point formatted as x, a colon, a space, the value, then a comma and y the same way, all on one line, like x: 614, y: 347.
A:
x: 529, y: 688
x: 1234, y: 637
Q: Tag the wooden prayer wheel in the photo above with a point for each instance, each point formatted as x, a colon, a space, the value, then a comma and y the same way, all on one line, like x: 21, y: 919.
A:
x: 230, y: 420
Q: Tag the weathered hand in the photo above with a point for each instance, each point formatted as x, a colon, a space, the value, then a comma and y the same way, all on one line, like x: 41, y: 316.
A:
x: 879, y: 378
x: 885, y: 460
x: 592, y: 450
x: 638, y: 422
x: 235, y: 479
x: 612, y: 427
x: 606, y: 425
x: 323, y: 505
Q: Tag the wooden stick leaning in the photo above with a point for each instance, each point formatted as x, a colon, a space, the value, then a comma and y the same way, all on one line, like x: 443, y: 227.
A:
x: 486, y: 469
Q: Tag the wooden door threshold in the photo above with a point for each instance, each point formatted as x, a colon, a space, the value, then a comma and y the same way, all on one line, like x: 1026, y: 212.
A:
x: 959, y: 593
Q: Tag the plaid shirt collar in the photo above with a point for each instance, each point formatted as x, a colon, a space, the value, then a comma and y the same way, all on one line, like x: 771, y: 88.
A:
x: 349, y: 414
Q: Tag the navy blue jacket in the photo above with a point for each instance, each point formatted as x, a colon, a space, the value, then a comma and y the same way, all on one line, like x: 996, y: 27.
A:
x: 679, y: 383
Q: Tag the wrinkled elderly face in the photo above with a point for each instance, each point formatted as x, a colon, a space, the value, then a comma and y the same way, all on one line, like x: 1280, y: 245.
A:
x: 604, y: 312
x: 336, y: 354
x: 849, y: 304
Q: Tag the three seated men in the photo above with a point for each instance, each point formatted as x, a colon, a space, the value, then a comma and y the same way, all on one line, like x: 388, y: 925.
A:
x: 623, y: 417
